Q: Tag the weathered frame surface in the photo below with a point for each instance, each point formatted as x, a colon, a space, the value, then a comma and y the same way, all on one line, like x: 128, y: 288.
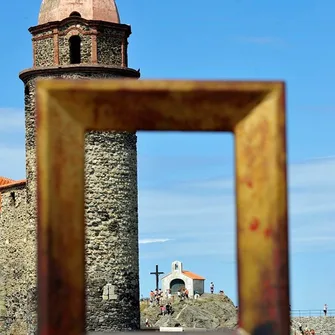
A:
x: 253, y: 111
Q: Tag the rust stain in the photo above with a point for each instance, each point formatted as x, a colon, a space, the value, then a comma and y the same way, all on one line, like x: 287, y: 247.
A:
x: 268, y: 232
x: 250, y: 154
x: 254, y: 225
x: 270, y: 298
x: 247, y: 181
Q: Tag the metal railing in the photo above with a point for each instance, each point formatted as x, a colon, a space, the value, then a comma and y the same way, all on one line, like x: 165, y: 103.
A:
x: 294, y: 312
x: 311, y: 312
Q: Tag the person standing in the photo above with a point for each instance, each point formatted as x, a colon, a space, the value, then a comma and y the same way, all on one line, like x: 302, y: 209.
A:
x: 325, y: 308
x: 212, y: 287
x: 186, y: 293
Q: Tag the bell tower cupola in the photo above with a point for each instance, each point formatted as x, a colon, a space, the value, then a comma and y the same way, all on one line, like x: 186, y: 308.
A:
x: 79, y: 32
x: 58, y: 10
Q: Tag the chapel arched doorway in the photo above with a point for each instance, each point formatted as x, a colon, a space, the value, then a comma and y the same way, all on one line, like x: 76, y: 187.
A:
x: 176, y: 284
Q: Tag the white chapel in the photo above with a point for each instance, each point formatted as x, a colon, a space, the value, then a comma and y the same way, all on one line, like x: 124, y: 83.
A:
x: 179, y: 278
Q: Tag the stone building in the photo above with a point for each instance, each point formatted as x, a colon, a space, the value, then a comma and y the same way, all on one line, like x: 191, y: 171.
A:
x: 77, y: 40
x: 179, y: 278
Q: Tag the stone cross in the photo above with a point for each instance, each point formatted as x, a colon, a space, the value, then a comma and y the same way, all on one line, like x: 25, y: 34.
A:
x: 108, y: 292
x: 157, y: 273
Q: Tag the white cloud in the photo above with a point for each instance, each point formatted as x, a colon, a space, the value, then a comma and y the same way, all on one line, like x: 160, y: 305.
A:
x: 201, y: 215
x: 153, y: 240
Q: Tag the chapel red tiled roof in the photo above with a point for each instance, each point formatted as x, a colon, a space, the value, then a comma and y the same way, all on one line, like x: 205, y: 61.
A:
x: 193, y: 275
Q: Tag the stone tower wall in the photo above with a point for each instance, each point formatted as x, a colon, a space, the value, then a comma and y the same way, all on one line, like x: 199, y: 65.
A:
x: 111, y: 219
x: 13, y: 266
x: 45, y: 55
x: 110, y: 46
x: 104, y: 44
x: 111, y: 189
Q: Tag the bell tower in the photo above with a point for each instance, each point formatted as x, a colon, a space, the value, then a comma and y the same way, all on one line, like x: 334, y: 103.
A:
x: 84, y: 39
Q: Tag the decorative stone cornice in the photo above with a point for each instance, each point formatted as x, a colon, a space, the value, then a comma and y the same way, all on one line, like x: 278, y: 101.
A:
x: 28, y: 74
x: 75, y: 20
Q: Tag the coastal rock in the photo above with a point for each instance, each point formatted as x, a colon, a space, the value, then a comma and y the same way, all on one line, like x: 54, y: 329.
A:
x: 210, y: 311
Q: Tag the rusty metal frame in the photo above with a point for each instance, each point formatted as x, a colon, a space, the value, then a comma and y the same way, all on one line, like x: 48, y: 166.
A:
x: 253, y: 111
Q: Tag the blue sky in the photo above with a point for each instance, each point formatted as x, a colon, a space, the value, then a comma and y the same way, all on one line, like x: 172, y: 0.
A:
x: 186, y: 200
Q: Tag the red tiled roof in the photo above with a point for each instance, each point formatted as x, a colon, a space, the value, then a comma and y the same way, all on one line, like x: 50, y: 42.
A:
x: 5, y: 181
x: 8, y: 183
x: 193, y: 275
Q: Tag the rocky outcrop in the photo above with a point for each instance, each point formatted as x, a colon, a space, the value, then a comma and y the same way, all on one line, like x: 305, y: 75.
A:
x: 321, y: 324
x: 208, y: 312
x: 217, y: 312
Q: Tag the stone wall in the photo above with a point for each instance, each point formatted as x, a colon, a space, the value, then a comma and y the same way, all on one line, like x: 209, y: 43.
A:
x: 111, y: 217
x: 13, y: 266
x: 322, y: 325
x: 45, y: 54
x: 109, y: 46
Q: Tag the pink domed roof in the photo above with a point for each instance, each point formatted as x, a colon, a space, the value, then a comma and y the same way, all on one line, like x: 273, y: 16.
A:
x: 57, y: 10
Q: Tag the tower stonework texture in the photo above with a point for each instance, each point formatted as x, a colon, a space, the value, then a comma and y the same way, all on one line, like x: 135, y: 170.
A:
x: 85, y: 40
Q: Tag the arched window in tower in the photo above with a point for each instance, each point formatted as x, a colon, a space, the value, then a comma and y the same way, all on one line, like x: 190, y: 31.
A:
x: 75, y: 49
x: 75, y: 14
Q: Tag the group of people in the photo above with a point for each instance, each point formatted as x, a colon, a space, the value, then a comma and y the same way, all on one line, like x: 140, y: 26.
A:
x: 183, y: 293
x: 305, y: 331
x: 156, y: 296
x: 166, y: 309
